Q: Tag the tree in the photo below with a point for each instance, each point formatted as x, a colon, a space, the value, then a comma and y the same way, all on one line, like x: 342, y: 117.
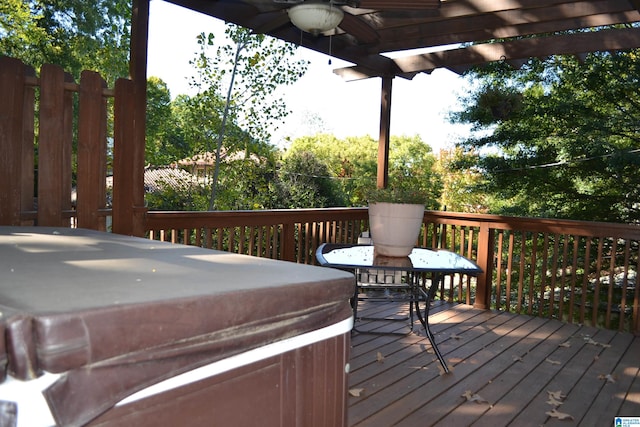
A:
x: 249, y: 182
x: 74, y: 34
x: 306, y: 182
x: 165, y: 142
x: 458, y: 182
x: 559, y: 138
x: 354, y: 162
x: 351, y: 161
x: 251, y: 68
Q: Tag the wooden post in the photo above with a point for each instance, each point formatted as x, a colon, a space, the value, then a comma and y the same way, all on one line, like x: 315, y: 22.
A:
x: 385, y: 129
x: 92, y: 151
x: 138, y: 73
x: 123, y: 158
x: 485, y: 261
x: 12, y: 78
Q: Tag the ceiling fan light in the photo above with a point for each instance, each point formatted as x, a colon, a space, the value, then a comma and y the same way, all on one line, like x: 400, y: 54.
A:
x: 315, y: 18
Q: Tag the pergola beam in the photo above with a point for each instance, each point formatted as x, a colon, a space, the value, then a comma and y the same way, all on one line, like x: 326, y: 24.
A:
x: 515, y: 50
x: 385, y: 133
x: 128, y: 205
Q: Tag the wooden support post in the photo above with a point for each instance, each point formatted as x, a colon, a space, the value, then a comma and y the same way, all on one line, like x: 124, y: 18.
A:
x: 385, y: 129
x: 485, y: 261
x: 123, y: 158
x: 138, y: 74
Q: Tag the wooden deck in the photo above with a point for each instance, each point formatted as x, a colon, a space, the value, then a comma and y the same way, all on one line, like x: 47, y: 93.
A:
x: 510, y: 361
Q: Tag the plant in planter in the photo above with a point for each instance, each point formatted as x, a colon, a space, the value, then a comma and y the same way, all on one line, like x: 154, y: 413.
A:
x: 395, y: 219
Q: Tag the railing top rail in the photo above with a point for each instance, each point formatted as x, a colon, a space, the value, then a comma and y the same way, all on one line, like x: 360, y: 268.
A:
x: 190, y: 219
x: 548, y: 225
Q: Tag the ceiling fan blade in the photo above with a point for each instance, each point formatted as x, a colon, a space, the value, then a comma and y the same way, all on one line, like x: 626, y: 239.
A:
x: 399, y: 4
x: 359, y: 29
x: 271, y: 21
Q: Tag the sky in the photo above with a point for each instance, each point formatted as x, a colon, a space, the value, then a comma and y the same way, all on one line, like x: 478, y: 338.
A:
x: 418, y: 107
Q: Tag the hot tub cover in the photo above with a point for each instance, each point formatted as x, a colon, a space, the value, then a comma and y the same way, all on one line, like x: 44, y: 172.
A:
x: 116, y: 313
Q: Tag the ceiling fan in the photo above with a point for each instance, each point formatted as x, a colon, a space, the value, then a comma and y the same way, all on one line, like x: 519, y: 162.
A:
x: 319, y: 16
x: 315, y: 16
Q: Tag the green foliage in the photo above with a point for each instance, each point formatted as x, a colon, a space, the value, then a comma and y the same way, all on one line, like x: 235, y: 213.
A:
x: 565, y: 143
x: 188, y: 198
x: 165, y: 141
x: 247, y: 181
x: 306, y: 182
x: 353, y: 162
x: 74, y: 34
x: 247, y: 69
x: 245, y: 73
x: 394, y: 194
x: 458, y: 179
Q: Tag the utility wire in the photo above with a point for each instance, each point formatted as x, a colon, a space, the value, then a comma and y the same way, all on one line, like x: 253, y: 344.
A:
x: 566, y: 162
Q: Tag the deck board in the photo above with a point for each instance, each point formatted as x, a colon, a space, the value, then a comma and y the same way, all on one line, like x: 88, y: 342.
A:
x: 510, y: 360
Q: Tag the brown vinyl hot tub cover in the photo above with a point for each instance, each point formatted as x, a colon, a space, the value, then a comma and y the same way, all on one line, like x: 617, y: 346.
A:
x: 116, y: 314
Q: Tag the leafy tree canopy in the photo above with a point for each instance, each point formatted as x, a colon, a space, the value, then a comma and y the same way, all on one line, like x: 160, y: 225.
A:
x: 558, y: 138
x: 304, y: 181
x: 353, y: 162
x: 74, y: 34
x: 236, y: 90
x: 165, y: 139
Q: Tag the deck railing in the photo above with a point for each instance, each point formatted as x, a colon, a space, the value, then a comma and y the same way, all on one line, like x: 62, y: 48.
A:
x: 577, y: 271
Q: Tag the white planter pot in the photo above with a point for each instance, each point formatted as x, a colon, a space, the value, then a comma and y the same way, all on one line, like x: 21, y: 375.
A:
x: 395, y: 227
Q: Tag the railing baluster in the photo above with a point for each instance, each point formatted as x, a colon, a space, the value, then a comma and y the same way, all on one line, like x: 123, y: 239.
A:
x: 563, y: 274
x: 509, y: 271
x: 498, y: 292
x: 597, y: 276
x: 612, y: 282
x: 220, y: 239
x: 521, y: 271
x: 625, y: 283
x: 636, y: 297
x: 532, y: 273
x: 274, y: 243
x: 543, y: 276
x: 208, y: 238
x: 585, y: 280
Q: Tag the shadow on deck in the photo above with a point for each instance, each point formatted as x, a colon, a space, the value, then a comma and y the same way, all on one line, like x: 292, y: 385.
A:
x: 511, y: 362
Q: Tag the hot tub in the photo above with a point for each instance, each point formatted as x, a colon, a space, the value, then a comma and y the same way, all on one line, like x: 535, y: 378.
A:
x: 103, y: 329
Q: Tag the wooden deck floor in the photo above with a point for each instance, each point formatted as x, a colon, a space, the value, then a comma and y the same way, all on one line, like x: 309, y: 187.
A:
x: 510, y: 361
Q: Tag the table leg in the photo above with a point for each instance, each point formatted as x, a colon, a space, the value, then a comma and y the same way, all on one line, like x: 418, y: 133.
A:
x: 429, y: 296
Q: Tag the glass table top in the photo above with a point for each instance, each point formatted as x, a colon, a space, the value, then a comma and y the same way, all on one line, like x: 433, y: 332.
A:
x: 420, y: 259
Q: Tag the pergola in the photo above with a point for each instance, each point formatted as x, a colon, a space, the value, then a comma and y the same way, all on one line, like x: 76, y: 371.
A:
x: 484, y: 31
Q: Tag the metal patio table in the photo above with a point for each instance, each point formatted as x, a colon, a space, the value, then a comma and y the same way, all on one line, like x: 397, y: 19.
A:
x: 439, y: 263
